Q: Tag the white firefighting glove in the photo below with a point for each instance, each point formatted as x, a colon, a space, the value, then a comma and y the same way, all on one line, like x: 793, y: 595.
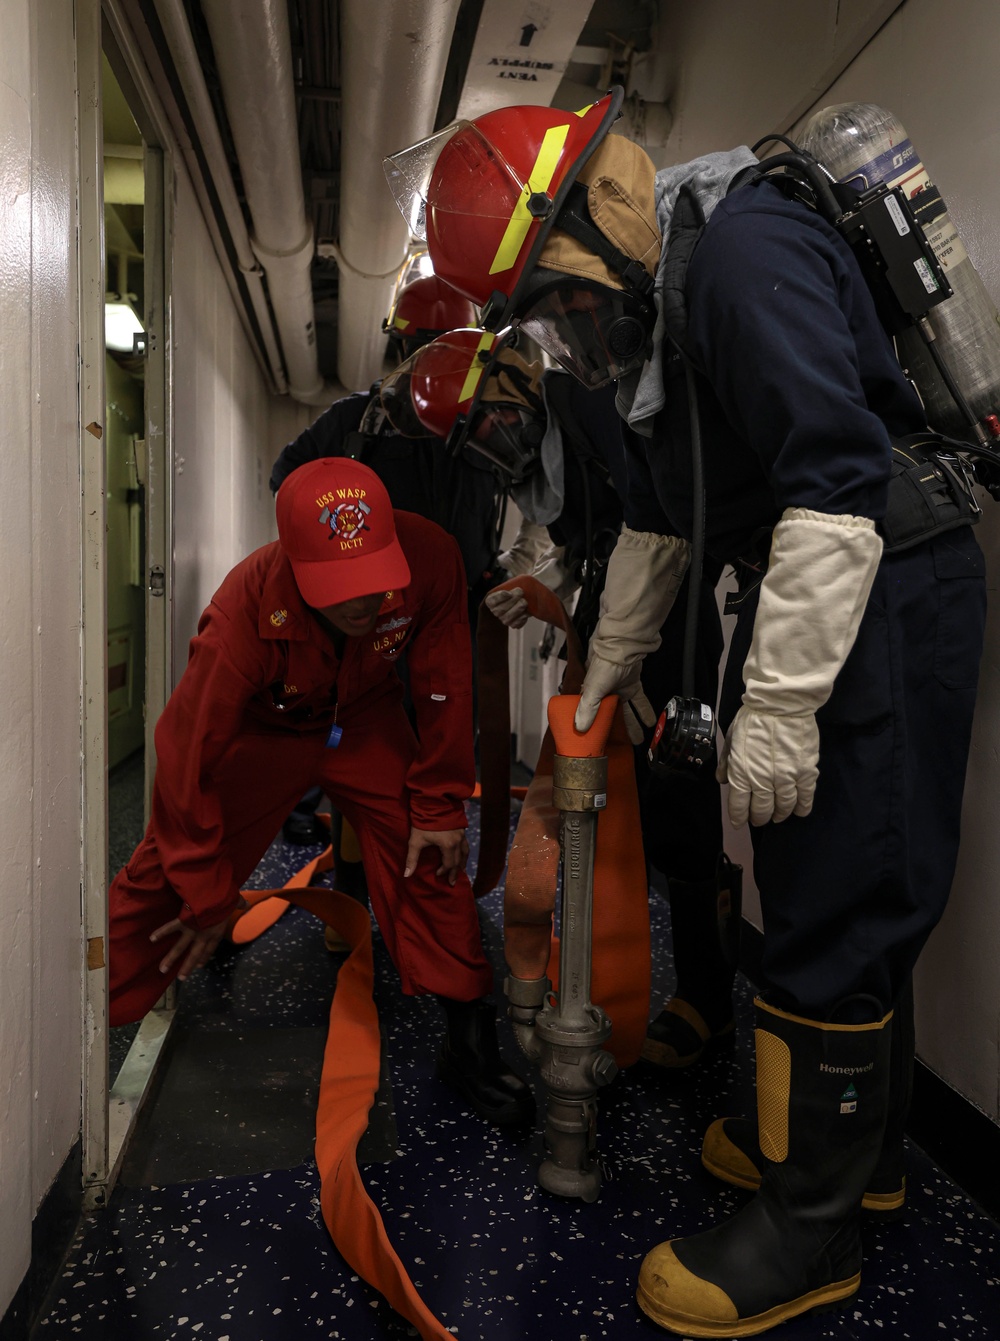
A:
x: 509, y: 606
x: 645, y: 572
x: 812, y: 600
x: 528, y: 544
x: 550, y: 569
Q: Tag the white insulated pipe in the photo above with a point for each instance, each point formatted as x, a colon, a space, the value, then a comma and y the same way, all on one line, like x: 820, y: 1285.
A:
x: 174, y: 22
x: 253, y: 54
x: 393, y: 58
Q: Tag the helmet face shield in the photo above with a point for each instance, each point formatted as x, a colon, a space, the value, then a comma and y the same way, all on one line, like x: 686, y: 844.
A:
x: 597, y: 333
x: 509, y: 436
x: 484, y: 193
x: 397, y: 402
x: 408, y: 173
x: 470, y: 162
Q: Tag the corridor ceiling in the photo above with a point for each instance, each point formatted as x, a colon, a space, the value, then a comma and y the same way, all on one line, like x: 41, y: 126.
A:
x: 489, y: 53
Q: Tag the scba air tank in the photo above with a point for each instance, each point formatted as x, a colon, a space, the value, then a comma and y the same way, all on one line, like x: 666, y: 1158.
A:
x: 863, y: 144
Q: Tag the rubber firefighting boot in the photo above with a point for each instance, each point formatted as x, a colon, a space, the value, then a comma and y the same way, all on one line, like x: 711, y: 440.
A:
x: 700, y: 1012
x: 349, y: 874
x: 470, y: 1062
x: 731, y: 1151
x: 303, y: 826
x: 822, y: 1091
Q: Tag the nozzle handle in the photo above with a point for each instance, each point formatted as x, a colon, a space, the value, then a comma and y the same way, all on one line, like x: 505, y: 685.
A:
x: 575, y: 744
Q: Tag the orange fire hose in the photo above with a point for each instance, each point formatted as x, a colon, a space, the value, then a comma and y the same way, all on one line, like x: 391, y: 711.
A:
x: 348, y: 1084
x: 350, y: 1074
x: 620, y: 980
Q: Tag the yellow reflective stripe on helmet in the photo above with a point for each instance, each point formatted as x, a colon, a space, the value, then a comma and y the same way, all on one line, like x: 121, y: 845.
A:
x: 401, y: 322
x: 475, y: 369
x: 539, y: 180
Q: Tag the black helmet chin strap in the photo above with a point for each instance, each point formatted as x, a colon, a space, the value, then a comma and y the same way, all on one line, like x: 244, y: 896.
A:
x: 518, y: 378
x: 574, y: 218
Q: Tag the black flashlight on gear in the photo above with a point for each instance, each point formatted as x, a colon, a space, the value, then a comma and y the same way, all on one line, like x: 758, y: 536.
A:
x: 684, y: 739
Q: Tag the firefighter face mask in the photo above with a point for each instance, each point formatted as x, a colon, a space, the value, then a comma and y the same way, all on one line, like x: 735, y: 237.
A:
x: 475, y: 392
x: 508, y: 435
x: 597, y: 333
x: 589, y: 300
x: 506, y: 424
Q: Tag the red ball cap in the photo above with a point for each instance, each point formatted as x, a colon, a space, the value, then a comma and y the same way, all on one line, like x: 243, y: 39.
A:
x: 335, y: 523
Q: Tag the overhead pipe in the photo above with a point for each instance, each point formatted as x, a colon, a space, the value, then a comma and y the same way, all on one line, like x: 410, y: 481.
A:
x: 393, y: 58
x: 253, y: 54
x: 175, y: 27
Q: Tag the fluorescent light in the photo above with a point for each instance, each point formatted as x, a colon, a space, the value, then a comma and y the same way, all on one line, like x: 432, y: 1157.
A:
x: 120, y: 325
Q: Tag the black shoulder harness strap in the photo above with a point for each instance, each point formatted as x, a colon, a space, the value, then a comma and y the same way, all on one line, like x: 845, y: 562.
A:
x: 686, y: 228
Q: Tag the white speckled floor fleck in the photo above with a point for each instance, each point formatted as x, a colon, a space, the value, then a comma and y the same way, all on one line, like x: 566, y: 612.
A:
x: 215, y: 1230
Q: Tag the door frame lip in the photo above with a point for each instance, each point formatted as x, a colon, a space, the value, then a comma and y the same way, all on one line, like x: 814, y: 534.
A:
x: 109, y: 1117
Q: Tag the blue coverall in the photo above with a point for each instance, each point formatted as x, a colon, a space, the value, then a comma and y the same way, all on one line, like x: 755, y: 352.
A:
x: 799, y: 391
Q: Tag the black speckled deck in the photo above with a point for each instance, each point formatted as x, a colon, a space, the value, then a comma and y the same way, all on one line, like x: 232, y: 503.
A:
x: 244, y: 1255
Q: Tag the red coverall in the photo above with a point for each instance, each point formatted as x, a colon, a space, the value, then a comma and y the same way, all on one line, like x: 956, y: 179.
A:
x: 244, y: 735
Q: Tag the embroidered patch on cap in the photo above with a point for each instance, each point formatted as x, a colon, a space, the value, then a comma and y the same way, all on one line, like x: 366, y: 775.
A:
x: 347, y: 520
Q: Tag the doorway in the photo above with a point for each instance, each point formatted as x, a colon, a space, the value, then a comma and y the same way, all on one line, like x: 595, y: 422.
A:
x: 124, y: 224
x: 125, y: 467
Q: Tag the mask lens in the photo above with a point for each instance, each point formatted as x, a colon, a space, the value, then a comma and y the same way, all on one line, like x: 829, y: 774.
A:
x: 508, y: 436
x: 597, y: 334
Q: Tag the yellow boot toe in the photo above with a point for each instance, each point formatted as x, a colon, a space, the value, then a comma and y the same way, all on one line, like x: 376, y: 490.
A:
x: 681, y: 1302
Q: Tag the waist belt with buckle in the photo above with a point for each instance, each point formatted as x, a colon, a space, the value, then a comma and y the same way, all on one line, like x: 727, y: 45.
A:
x: 930, y: 491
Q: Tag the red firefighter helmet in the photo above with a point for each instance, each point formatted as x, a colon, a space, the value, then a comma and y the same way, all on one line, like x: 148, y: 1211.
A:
x: 426, y: 307
x: 487, y: 192
x: 472, y: 389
